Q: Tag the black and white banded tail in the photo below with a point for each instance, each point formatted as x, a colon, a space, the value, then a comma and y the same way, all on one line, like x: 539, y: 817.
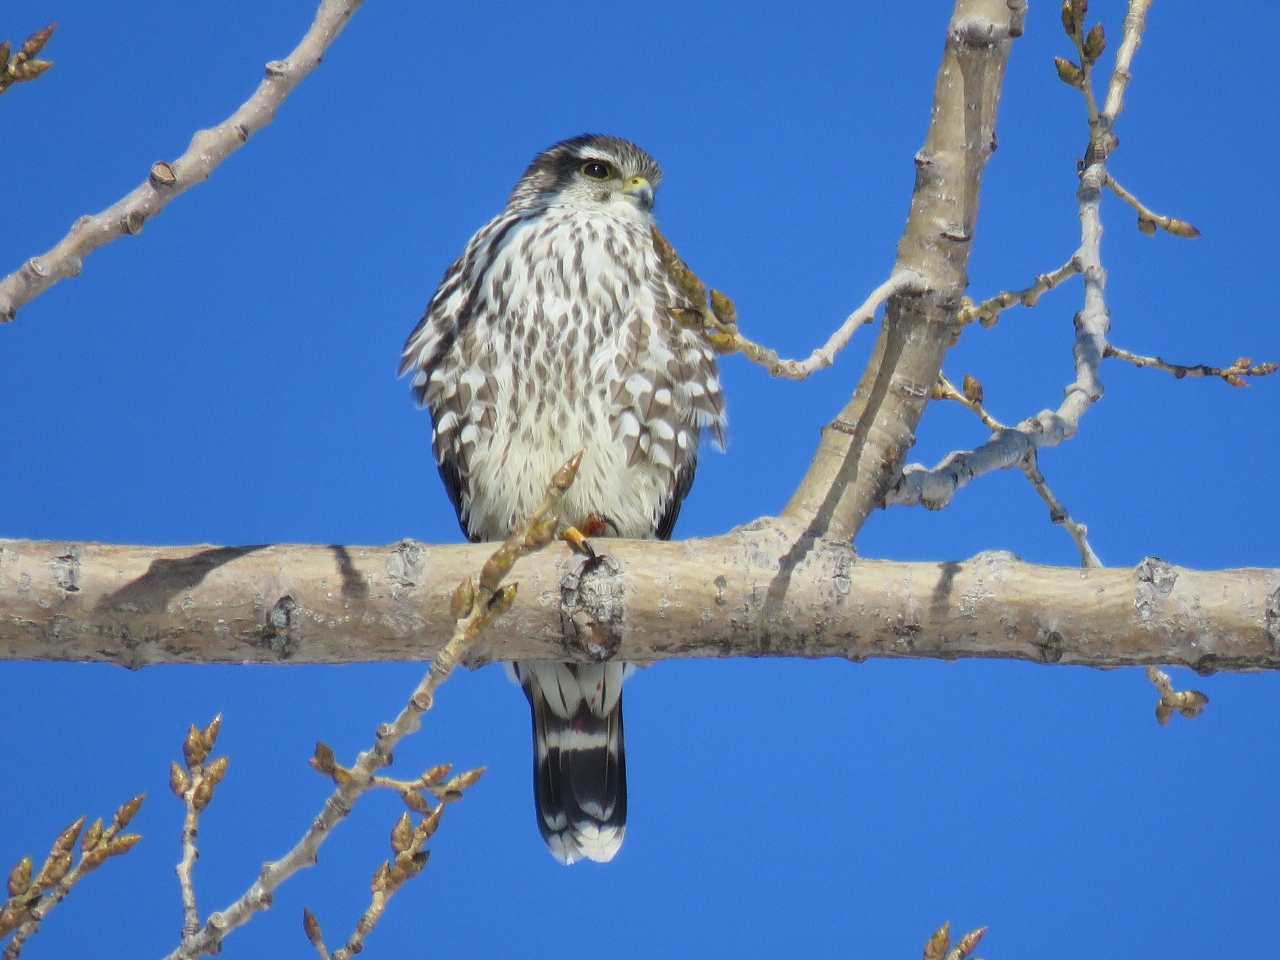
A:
x: 579, y: 759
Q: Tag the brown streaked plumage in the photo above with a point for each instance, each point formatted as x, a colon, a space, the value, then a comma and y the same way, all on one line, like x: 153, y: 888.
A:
x: 553, y: 333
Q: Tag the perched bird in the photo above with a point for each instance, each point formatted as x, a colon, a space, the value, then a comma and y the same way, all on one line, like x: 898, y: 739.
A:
x: 553, y: 333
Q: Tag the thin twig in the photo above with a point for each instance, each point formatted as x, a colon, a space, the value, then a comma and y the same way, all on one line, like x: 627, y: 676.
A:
x: 988, y: 311
x: 1189, y: 703
x: 475, y: 604
x: 971, y: 397
x: 1243, y: 367
x: 1058, y: 513
x: 31, y: 898
x: 194, y: 787
x: 900, y: 282
x: 23, y: 66
x: 1135, y: 22
x: 208, y: 149
x: 716, y: 316
x: 1148, y: 220
x: 934, y: 487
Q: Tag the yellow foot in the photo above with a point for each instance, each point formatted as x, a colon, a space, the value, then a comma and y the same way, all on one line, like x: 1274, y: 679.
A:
x: 576, y: 539
x: 592, y: 526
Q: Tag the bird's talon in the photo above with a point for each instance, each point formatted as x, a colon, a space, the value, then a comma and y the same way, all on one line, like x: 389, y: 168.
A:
x: 573, y: 536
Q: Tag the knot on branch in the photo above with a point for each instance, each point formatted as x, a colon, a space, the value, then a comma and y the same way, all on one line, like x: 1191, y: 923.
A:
x: 592, y: 606
x: 405, y: 563
x: 280, y: 633
x: 1154, y: 581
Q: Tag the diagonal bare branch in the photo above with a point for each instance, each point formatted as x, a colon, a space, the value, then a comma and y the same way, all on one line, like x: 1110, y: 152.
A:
x: 861, y: 450
x: 474, y: 604
x: 1234, y: 374
x: 935, y: 487
x: 208, y: 149
x: 988, y: 311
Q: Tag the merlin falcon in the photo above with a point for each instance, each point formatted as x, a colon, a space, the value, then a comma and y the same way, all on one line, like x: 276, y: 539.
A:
x: 554, y: 333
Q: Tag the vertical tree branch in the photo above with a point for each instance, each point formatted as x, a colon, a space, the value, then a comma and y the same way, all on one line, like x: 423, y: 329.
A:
x: 864, y: 446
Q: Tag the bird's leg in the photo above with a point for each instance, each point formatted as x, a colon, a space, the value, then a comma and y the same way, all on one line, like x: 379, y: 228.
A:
x: 592, y: 526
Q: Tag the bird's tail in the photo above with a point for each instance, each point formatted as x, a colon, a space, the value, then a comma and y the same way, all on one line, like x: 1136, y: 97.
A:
x: 579, y: 763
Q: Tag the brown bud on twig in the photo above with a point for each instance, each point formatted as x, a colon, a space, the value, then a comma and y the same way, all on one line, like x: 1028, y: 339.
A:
x: 435, y: 774
x: 35, y: 43
x: 210, y: 733
x: 565, y: 476
x: 179, y: 782
x: 463, y: 599
x: 1069, y: 73
x: 311, y: 927
x: 972, y: 389
x: 415, y: 802
x: 381, y: 877
x: 723, y: 307
x: 91, y: 836
x: 936, y: 947
x: 66, y: 840
x: 966, y: 944
x: 1095, y: 43
x: 1146, y: 225
x: 464, y: 780
x: 401, y: 834
x: 1192, y: 703
x: 216, y: 771
x: 1070, y: 23
x: 201, y: 795
x: 20, y: 877
x: 30, y: 70
x: 1180, y: 228
x: 122, y: 844
x: 127, y: 811
x: 426, y: 827
x: 54, y: 869
x: 323, y: 760
x: 503, y: 599
x: 194, y: 749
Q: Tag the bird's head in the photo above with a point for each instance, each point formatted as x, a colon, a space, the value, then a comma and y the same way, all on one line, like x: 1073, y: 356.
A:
x: 592, y: 171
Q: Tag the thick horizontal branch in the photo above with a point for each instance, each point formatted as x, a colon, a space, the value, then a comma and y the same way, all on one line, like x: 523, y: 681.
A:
x: 642, y: 601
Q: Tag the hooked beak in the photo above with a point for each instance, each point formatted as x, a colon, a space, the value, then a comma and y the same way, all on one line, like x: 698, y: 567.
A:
x: 641, y: 191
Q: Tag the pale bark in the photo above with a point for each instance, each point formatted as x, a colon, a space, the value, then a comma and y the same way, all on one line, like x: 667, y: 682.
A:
x: 166, y: 180
x: 648, y: 601
x: 863, y: 448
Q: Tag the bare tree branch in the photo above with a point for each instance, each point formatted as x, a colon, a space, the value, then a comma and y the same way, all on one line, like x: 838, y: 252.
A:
x: 934, y: 488
x: 862, y: 448
x: 1234, y: 374
x: 473, y: 606
x: 717, y: 318
x: 1148, y: 220
x: 988, y: 311
x: 208, y: 149
x: 1058, y: 513
x: 646, y: 601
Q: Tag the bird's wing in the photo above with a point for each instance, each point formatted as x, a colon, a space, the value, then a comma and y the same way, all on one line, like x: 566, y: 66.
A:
x: 443, y: 354
x: 666, y: 390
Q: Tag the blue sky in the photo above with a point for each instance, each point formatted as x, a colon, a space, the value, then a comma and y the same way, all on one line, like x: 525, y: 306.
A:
x: 228, y: 377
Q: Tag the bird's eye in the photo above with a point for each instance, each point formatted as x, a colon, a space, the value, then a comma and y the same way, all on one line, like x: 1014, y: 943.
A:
x: 595, y: 170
